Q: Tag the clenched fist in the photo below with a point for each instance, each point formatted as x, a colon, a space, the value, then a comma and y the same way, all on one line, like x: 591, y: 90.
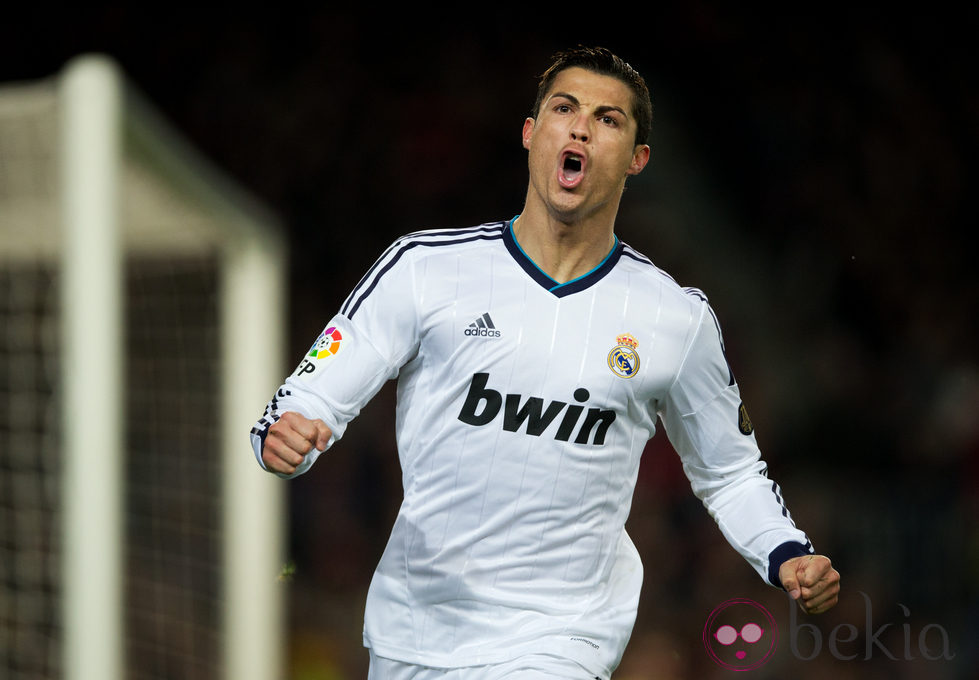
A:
x: 811, y: 581
x: 290, y: 439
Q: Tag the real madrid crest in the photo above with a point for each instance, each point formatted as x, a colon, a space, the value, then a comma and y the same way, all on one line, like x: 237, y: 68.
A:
x: 624, y: 357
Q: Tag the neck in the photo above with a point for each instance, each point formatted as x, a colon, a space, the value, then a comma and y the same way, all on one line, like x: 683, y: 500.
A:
x: 564, y: 251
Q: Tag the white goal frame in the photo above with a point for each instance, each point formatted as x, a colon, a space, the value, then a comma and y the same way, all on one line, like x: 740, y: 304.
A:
x: 97, y: 108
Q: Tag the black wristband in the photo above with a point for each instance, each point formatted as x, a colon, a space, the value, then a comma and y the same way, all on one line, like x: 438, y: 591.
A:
x: 784, y: 552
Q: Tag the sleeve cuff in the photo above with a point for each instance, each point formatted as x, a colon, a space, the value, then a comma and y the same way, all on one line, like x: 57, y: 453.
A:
x: 259, y: 432
x: 784, y: 552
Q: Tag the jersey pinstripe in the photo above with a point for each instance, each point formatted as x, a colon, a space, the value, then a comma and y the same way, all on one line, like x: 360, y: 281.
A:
x: 523, y: 408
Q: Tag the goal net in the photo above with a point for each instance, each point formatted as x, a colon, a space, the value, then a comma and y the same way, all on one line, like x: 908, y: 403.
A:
x: 140, y: 290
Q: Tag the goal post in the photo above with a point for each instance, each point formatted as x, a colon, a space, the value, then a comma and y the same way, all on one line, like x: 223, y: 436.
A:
x: 254, y: 511
x: 91, y: 378
x: 141, y: 331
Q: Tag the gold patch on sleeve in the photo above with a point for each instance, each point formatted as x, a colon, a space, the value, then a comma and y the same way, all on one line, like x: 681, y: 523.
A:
x: 744, y: 422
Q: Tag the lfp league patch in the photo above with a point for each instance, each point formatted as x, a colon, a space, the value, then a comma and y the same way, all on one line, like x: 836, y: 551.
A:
x: 327, y: 345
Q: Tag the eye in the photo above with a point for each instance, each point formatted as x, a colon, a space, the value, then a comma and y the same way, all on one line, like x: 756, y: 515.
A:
x: 726, y: 635
x: 562, y: 108
x: 751, y: 633
x: 609, y: 120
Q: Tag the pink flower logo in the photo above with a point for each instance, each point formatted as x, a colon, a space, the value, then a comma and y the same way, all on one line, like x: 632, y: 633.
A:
x: 740, y: 635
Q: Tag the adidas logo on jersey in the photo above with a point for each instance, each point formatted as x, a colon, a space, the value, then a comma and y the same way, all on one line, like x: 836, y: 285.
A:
x: 482, y: 328
x: 483, y: 405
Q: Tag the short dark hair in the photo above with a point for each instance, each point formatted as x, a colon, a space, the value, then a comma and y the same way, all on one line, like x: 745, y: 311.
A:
x: 602, y: 61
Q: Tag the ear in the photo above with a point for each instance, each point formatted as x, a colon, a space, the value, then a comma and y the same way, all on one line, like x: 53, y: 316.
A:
x: 640, y: 156
x: 528, y: 132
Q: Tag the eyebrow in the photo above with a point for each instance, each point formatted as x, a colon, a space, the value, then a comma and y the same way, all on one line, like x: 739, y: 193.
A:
x: 600, y: 110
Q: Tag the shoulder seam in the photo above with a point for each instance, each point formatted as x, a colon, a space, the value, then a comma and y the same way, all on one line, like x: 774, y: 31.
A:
x: 698, y: 326
x: 394, y: 252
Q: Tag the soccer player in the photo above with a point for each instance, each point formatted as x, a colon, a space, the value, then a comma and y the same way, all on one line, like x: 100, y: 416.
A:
x: 534, y: 357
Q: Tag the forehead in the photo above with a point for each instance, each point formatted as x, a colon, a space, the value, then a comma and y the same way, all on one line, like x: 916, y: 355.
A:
x: 592, y: 88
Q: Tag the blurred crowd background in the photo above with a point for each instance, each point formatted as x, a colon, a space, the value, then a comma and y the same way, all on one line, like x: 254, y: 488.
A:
x: 812, y: 173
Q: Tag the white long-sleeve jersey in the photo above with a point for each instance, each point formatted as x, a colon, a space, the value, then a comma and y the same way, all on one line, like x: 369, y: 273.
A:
x: 523, y: 407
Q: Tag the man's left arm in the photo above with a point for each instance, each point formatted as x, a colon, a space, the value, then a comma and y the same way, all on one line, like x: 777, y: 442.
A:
x: 709, y: 427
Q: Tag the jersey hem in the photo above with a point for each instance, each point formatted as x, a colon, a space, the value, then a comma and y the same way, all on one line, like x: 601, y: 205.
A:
x: 567, y: 648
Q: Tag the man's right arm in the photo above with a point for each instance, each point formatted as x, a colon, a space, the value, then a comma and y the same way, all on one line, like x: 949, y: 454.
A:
x: 342, y: 370
x: 311, y: 410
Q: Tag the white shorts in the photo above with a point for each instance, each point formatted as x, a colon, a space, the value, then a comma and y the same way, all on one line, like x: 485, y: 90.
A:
x: 529, y: 667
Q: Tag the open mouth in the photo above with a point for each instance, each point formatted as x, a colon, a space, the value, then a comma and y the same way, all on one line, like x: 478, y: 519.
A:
x: 571, y: 170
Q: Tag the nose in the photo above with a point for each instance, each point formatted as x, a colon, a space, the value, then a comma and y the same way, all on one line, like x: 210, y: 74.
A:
x: 579, y: 129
